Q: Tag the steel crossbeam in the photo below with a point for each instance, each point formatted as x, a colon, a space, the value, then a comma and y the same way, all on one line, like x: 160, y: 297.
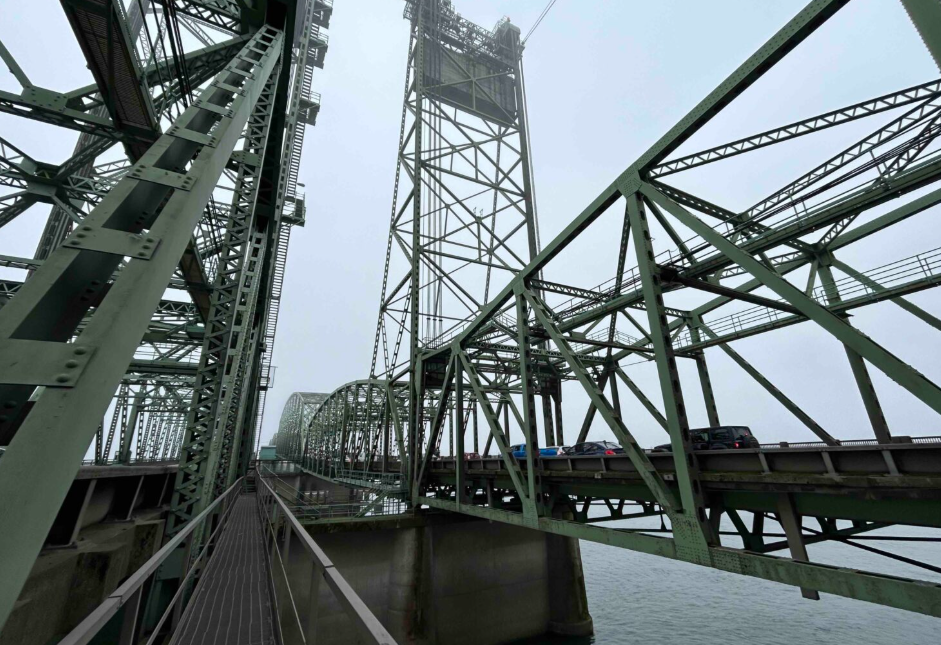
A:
x: 44, y: 311
x: 534, y: 334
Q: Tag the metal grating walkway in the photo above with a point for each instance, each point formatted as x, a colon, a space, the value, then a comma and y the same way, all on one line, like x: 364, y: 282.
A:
x: 232, y: 605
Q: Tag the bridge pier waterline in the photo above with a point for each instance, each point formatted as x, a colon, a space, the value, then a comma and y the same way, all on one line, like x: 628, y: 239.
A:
x: 452, y: 580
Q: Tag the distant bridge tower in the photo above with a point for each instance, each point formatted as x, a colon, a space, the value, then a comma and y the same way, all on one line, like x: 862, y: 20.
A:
x: 463, y: 186
x: 463, y: 212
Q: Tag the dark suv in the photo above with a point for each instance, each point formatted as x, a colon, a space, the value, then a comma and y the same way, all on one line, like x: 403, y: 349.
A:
x: 717, y: 438
x: 594, y: 448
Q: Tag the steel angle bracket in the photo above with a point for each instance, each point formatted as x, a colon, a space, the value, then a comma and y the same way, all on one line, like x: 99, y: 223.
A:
x: 228, y: 88
x: 163, y: 177
x: 247, y: 158
x: 217, y: 109
x: 109, y: 240
x: 240, y: 72
x: 41, y: 97
x: 191, y: 135
x: 37, y: 362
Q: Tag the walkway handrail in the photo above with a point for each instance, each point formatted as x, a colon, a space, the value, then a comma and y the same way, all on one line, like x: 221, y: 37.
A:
x: 365, y: 622
x: 130, y: 593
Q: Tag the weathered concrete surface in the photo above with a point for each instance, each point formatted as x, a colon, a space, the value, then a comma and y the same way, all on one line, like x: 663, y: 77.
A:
x: 66, y: 584
x: 450, y: 583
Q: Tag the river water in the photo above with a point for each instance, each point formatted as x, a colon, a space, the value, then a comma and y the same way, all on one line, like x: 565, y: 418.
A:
x: 639, y: 599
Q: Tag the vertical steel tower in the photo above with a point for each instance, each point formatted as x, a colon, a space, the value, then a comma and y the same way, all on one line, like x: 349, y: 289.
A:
x: 463, y: 219
x: 463, y: 213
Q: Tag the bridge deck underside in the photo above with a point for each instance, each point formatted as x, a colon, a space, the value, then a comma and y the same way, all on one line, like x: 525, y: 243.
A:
x: 232, y: 604
x: 898, y: 483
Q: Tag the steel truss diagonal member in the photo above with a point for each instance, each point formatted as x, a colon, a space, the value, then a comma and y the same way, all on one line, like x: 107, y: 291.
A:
x: 226, y: 344
x: 638, y: 457
x: 691, y: 529
x: 528, y: 385
x: 769, y: 387
x: 529, y: 504
x: 149, y: 216
x: 900, y: 372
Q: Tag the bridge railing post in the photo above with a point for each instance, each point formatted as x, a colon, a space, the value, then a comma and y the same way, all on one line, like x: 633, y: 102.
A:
x: 178, y: 604
x: 313, y: 603
x: 129, y: 620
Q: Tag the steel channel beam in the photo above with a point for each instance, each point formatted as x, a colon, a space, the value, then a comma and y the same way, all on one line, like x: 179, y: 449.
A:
x: 49, y: 306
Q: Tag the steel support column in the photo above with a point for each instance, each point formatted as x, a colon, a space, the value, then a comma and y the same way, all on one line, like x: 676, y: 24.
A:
x: 148, y: 216
x: 691, y: 527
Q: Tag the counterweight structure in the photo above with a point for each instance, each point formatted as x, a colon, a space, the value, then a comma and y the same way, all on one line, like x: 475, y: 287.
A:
x: 688, y: 276
x: 142, y: 328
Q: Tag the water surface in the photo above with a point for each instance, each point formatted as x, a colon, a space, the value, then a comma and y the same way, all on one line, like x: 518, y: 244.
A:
x: 639, y: 599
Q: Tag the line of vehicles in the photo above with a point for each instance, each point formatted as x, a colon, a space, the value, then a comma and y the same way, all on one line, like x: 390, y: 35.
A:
x: 712, y: 438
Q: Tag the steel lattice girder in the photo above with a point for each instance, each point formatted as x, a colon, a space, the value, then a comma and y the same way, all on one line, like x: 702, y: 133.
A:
x: 228, y: 328
x: 494, y: 342
x: 41, y: 318
x: 463, y: 202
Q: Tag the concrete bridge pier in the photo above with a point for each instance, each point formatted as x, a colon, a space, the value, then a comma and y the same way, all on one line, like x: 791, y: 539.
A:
x: 568, y: 602
x: 453, y: 580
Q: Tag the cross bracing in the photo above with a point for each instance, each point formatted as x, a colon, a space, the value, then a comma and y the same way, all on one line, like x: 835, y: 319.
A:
x: 463, y: 218
x: 465, y: 367
x: 148, y: 310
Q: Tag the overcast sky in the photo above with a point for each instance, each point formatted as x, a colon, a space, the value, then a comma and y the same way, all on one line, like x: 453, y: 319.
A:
x: 604, y: 80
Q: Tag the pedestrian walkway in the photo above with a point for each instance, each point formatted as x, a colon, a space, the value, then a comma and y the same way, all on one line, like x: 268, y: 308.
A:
x: 232, y: 604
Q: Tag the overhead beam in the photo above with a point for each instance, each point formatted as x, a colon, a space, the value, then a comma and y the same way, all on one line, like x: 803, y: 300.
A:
x: 900, y: 372
x: 49, y: 306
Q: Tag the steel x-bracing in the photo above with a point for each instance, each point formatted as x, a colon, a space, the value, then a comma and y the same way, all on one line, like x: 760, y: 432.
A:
x: 434, y: 425
x: 142, y: 329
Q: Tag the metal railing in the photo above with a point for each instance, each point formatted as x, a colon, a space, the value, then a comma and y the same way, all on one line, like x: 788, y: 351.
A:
x: 923, y: 268
x: 131, y: 462
x: 300, y: 624
x: 126, y: 599
x: 848, y: 443
x: 381, y: 494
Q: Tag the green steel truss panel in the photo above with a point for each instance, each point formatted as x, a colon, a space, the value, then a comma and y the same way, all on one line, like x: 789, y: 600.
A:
x: 526, y: 338
x: 86, y: 281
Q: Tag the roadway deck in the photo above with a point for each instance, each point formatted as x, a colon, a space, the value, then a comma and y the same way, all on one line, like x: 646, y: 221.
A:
x: 232, y: 604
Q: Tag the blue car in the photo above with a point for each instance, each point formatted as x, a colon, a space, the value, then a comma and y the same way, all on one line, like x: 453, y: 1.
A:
x: 519, y: 451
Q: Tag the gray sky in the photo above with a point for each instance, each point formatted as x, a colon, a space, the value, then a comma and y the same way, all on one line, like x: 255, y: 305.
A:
x: 604, y: 80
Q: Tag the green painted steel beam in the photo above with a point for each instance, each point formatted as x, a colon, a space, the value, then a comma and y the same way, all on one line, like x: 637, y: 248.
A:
x: 926, y: 16
x: 907, y: 305
x: 633, y: 450
x: 901, y: 593
x: 900, y: 372
x: 769, y: 387
x: 35, y: 479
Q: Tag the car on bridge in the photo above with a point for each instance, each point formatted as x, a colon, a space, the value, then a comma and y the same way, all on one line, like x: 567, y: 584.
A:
x: 519, y: 451
x: 594, y: 448
x: 717, y: 438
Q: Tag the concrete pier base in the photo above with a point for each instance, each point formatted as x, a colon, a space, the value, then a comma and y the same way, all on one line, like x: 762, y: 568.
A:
x: 451, y: 580
x: 66, y: 584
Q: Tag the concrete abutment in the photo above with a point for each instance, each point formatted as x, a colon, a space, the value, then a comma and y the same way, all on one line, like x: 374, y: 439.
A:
x: 452, y: 580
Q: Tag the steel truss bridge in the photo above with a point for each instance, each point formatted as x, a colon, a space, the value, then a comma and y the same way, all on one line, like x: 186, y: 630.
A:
x: 477, y: 324
x: 138, y: 334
